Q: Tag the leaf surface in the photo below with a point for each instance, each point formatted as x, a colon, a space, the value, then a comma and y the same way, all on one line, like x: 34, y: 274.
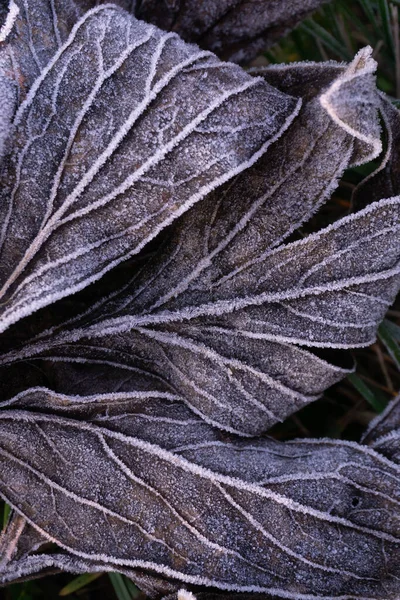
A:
x: 217, y: 512
x: 385, y: 180
x: 120, y: 130
x: 29, y: 555
x: 383, y: 433
x: 222, y: 314
x: 8, y: 85
x: 33, y: 31
x: 125, y: 128
x: 7, y: 102
x: 237, y: 30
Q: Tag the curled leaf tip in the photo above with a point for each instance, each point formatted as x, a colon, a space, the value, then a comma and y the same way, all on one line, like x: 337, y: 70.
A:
x: 352, y: 101
x: 185, y: 595
x: 363, y: 60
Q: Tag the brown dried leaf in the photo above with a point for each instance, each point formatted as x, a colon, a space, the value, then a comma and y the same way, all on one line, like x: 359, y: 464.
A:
x: 119, y: 105
x: 385, y: 181
x: 305, y: 519
x: 234, y: 29
x: 219, y: 316
x: 383, y: 433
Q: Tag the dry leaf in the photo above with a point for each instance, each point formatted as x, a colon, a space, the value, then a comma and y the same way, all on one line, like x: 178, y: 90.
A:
x: 221, y: 315
x: 304, y: 519
x: 119, y: 106
x: 235, y: 30
x: 110, y: 130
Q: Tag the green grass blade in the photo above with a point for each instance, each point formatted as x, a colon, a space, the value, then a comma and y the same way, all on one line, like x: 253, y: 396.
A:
x: 312, y: 28
x: 384, y: 12
x: 6, y: 513
x: 133, y: 589
x: 78, y: 583
x: 368, y: 8
x: 356, y: 23
x: 389, y: 334
x: 377, y: 404
x: 393, y: 328
x: 120, y: 589
x: 331, y: 13
x: 301, y: 48
x: 22, y: 591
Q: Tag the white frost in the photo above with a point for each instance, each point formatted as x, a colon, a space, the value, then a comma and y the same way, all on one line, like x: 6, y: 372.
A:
x: 13, y: 12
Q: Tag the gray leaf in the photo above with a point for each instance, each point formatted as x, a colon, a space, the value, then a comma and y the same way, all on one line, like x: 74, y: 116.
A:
x: 385, y: 181
x: 8, y: 98
x: 33, y: 35
x: 8, y: 85
x: 236, y: 30
x: 25, y: 556
x: 383, y: 433
x: 318, y: 519
x: 124, y: 130
x: 43, y: 564
x: 217, y: 317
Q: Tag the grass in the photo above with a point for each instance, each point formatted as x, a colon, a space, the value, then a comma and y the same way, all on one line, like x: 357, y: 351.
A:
x: 336, y: 32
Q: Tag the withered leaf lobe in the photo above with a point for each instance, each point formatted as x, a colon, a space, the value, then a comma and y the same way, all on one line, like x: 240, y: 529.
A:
x: 295, y: 505
x: 125, y: 129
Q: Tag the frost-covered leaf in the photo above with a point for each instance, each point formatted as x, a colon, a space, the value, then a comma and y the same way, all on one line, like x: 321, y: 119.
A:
x: 8, y: 100
x: 34, y: 31
x: 8, y: 85
x: 31, y: 32
x: 385, y: 181
x: 45, y: 564
x: 125, y: 128
x: 235, y: 30
x: 119, y: 130
x: 26, y: 554
x: 383, y: 433
x: 305, y: 519
x: 219, y: 315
